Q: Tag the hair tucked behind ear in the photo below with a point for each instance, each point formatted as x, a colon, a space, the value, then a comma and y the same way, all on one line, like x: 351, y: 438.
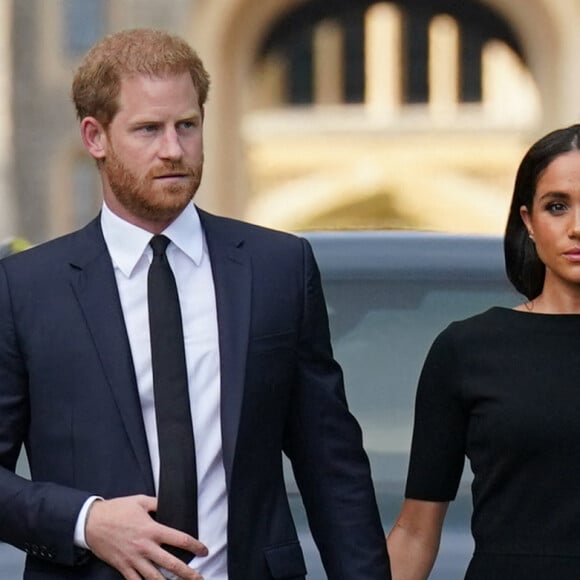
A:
x: 524, y: 268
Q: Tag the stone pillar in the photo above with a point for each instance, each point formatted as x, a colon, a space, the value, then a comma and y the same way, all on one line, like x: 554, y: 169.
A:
x: 509, y: 93
x: 328, y: 57
x: 7, y: 217
x: 443, y: 67
x: 270, y: 83
x: 383, y: 59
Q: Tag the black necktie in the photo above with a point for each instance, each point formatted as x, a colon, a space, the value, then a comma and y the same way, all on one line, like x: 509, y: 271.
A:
x: 177, y: 495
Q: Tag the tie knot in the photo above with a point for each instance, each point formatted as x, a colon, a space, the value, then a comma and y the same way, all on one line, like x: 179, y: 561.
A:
x: 159, y: 245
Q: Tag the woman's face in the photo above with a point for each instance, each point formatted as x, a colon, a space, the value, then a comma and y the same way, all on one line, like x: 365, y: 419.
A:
x: 554, y: 221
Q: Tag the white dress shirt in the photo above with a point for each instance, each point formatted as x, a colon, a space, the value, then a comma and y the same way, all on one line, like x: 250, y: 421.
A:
x: 187, y: 253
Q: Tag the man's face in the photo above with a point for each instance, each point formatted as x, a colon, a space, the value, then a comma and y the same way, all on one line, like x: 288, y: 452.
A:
x: 154, y: 150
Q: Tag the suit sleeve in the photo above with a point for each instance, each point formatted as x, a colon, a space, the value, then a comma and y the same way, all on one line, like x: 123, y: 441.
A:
x: 324, y: 443
x: 36, y: 517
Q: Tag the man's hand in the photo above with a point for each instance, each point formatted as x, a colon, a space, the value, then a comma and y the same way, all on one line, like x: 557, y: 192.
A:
x: 122, y: 533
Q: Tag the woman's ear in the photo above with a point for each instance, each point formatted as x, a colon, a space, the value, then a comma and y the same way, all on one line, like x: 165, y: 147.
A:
x: 94, y: 137
x: 525, y: 215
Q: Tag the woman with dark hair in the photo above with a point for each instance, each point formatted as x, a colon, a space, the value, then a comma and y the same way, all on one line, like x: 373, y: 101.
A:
x: 524, y: 267
x: 502, y: 388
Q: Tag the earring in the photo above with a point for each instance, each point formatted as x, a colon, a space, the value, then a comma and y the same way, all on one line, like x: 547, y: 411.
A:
x: 531, y: 236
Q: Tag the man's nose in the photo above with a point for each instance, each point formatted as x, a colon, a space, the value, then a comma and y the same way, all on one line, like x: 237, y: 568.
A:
x: 170, y: 146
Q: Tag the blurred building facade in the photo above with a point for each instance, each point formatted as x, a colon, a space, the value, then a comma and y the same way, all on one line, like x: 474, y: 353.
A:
x: 322, y: 113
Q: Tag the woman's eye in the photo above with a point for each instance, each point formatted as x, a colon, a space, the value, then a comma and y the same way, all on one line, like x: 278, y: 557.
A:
x: 556, y: 207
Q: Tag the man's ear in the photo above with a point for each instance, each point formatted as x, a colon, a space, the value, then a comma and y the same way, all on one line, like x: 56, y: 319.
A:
x: 94, y: 137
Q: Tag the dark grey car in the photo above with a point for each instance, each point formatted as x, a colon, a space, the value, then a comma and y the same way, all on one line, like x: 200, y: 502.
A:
x: 388, y: 295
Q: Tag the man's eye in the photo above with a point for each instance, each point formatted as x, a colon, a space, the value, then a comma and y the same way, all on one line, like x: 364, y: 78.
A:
x: 148, y: 128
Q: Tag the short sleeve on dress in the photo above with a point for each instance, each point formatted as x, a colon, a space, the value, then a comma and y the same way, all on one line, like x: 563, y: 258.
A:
x: 439, y: 433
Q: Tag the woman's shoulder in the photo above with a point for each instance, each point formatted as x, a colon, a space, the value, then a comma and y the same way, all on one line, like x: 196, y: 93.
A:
x: 490, y: 323
x: 482, y: 320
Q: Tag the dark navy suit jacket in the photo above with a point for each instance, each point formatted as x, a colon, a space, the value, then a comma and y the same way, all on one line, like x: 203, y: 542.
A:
x: 68, y: 392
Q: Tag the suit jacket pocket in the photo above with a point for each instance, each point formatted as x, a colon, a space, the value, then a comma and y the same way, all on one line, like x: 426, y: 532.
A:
x: 286, y: 561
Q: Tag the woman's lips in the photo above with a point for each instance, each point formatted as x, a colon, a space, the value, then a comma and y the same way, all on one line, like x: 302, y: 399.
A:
x: 573, y: 255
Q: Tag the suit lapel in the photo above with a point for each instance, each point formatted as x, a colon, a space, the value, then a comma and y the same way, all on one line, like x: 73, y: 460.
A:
x: 93, y: 282
x: 232, y: 280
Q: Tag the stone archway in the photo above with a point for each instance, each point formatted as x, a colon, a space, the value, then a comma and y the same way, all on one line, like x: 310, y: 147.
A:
x: 547, y: 31
x: 227, y: 34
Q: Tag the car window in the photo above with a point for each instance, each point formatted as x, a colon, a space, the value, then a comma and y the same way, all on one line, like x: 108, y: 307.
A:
x: 381, y: 332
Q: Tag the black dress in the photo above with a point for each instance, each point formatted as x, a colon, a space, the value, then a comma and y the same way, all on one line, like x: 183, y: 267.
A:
x: 503, y: 389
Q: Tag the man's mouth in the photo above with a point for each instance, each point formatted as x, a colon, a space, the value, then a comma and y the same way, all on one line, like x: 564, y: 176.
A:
x: 171, y: 176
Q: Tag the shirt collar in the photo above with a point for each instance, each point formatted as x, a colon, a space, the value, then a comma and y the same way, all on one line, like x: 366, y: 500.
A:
x: 127, y: 243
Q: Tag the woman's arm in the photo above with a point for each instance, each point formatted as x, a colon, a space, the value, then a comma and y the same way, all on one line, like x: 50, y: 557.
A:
x: 413, y: 542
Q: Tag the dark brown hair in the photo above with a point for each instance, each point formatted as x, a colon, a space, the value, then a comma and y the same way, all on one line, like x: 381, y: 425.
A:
x: 524, y: 268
